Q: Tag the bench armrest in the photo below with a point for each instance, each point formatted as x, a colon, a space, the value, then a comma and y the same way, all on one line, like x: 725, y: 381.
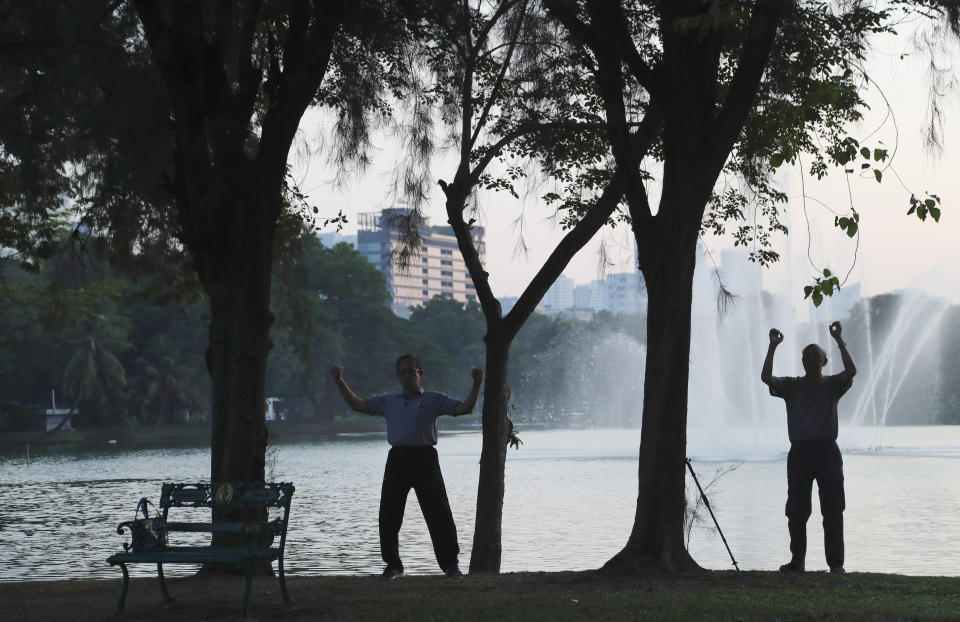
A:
x: 120, y: 527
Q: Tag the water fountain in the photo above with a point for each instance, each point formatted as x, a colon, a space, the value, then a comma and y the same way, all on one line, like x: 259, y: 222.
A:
x: 731, y: 413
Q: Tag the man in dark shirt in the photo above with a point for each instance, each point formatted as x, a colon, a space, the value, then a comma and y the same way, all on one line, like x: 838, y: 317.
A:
x: 811, y: 402
x: 412, y: 462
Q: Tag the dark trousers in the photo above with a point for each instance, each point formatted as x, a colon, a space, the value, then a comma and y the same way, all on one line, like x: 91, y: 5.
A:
x: 417, y: 468
x: 806, y: 462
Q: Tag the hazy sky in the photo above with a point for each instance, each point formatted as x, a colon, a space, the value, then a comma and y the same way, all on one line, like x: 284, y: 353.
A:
x: 896, y: 251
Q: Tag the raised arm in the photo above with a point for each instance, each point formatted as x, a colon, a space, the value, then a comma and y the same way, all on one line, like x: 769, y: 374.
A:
x: 349, y: 396
x: 766, y: 374
x: 848, y: 367
x: 466, y: 406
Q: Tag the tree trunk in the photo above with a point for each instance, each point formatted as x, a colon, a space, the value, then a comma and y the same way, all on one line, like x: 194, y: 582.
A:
x: 487, y: 545
x: 656, y: 542
x: 237, y: 283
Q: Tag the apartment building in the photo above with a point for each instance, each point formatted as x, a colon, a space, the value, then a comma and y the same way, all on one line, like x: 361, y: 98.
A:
x: 436, y: 269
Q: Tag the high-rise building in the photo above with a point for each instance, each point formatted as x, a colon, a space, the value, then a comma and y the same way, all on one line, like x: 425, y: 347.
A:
x: 435, y: 269
x: 626, y: 293
x: 559, y: 297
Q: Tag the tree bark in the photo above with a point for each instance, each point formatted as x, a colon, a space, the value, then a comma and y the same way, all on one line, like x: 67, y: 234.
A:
x: 488, y: 529
x: 228, y: 185
x: 656, y: 542
x: 237, y: 284
x: 501, y: 331
x: 699, y: 132
x: 240, y: 322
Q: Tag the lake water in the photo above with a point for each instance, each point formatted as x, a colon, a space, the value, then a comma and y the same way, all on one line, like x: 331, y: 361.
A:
x: 569, y: 504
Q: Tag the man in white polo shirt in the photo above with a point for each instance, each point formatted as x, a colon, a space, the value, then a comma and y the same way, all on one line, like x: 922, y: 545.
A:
x: 412, y: 462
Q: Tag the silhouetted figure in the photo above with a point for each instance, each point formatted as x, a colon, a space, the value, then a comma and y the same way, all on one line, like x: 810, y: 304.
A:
x: 412, y: 462
x: 812, y: 425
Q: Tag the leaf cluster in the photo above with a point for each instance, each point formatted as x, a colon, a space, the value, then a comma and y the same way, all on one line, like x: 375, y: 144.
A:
x: 823, y: 286
x: 929, y: 205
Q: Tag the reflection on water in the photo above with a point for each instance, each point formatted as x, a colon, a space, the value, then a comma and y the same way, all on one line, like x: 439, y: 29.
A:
x: 569, y: 504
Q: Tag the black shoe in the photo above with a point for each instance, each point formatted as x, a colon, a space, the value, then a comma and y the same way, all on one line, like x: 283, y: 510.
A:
x: 390, y: 573
x: 791, y: 567
x: 837, y: 570
x: 453, y: 572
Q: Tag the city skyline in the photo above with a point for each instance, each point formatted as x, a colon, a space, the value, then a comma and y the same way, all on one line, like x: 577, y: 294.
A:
x: 893, y: 252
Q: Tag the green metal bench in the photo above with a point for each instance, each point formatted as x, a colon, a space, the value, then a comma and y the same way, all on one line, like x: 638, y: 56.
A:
x: 255, y: 539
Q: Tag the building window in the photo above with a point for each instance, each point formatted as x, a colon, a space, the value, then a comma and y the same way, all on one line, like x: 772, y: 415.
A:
x: 447, y: 294
x: 425, y: 292
x: 445, y: 262
x: 446, y: 273
x: 424, y: 270
x: 424, y: 260
x: 470, y: 285
x: 446, y: 284
x: 446, y: 251
x: 471, y: 297
x: 424, y: 281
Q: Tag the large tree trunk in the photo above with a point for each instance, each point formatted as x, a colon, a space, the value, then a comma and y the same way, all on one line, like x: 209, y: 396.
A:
x: 656, y: 542
x: 487, y: 534
x: 236, y: 277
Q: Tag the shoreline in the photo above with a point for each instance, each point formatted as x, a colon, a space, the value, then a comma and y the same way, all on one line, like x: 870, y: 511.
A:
x: 177, y: 435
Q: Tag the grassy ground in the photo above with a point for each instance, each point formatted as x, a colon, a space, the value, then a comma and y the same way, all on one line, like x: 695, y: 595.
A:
x: 728, y: 595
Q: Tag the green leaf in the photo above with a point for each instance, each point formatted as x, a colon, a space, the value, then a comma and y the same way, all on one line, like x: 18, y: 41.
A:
x: 878, y: 174
x: 935, y: 212
x: 817, y: 298
x: 827, y: 273
x: 807, y: 291
x: 852, y: 229
x: 865, y: 152
x: 879, y: 154
x: 865, y: 165
x: 929, y: 203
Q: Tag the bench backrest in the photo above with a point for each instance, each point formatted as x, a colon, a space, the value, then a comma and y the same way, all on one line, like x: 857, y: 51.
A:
x: 199, y: 495
x: 275, y: 495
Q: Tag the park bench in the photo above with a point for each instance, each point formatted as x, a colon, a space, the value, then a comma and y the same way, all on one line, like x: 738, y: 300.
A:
x: 256, y: 540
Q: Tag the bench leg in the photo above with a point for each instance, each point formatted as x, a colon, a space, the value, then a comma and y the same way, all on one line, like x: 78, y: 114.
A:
x: 126, y: 584
x: 163, y: 583
x: 283, y: 583
x: 246, y: 592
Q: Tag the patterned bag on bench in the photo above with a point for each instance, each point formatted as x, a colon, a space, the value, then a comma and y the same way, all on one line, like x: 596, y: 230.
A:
x: 149, y: 534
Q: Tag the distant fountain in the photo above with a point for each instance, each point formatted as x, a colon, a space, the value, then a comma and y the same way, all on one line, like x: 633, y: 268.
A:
x: 892, y: 361
x: 604, y: 386
x: 730, y: 411
x: 731, y: 415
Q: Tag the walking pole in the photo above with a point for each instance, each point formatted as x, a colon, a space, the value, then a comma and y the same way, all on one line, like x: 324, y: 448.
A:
x: 709, y: 509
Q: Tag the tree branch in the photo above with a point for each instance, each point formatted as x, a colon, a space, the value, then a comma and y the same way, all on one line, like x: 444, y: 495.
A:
x: 764, y: 23
x: 572, y: 242
x: 306, y: 57
x: 491, y: 97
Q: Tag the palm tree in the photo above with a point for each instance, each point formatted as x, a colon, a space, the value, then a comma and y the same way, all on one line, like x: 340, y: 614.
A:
x: 93, y: 371
x: 164, y: 384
